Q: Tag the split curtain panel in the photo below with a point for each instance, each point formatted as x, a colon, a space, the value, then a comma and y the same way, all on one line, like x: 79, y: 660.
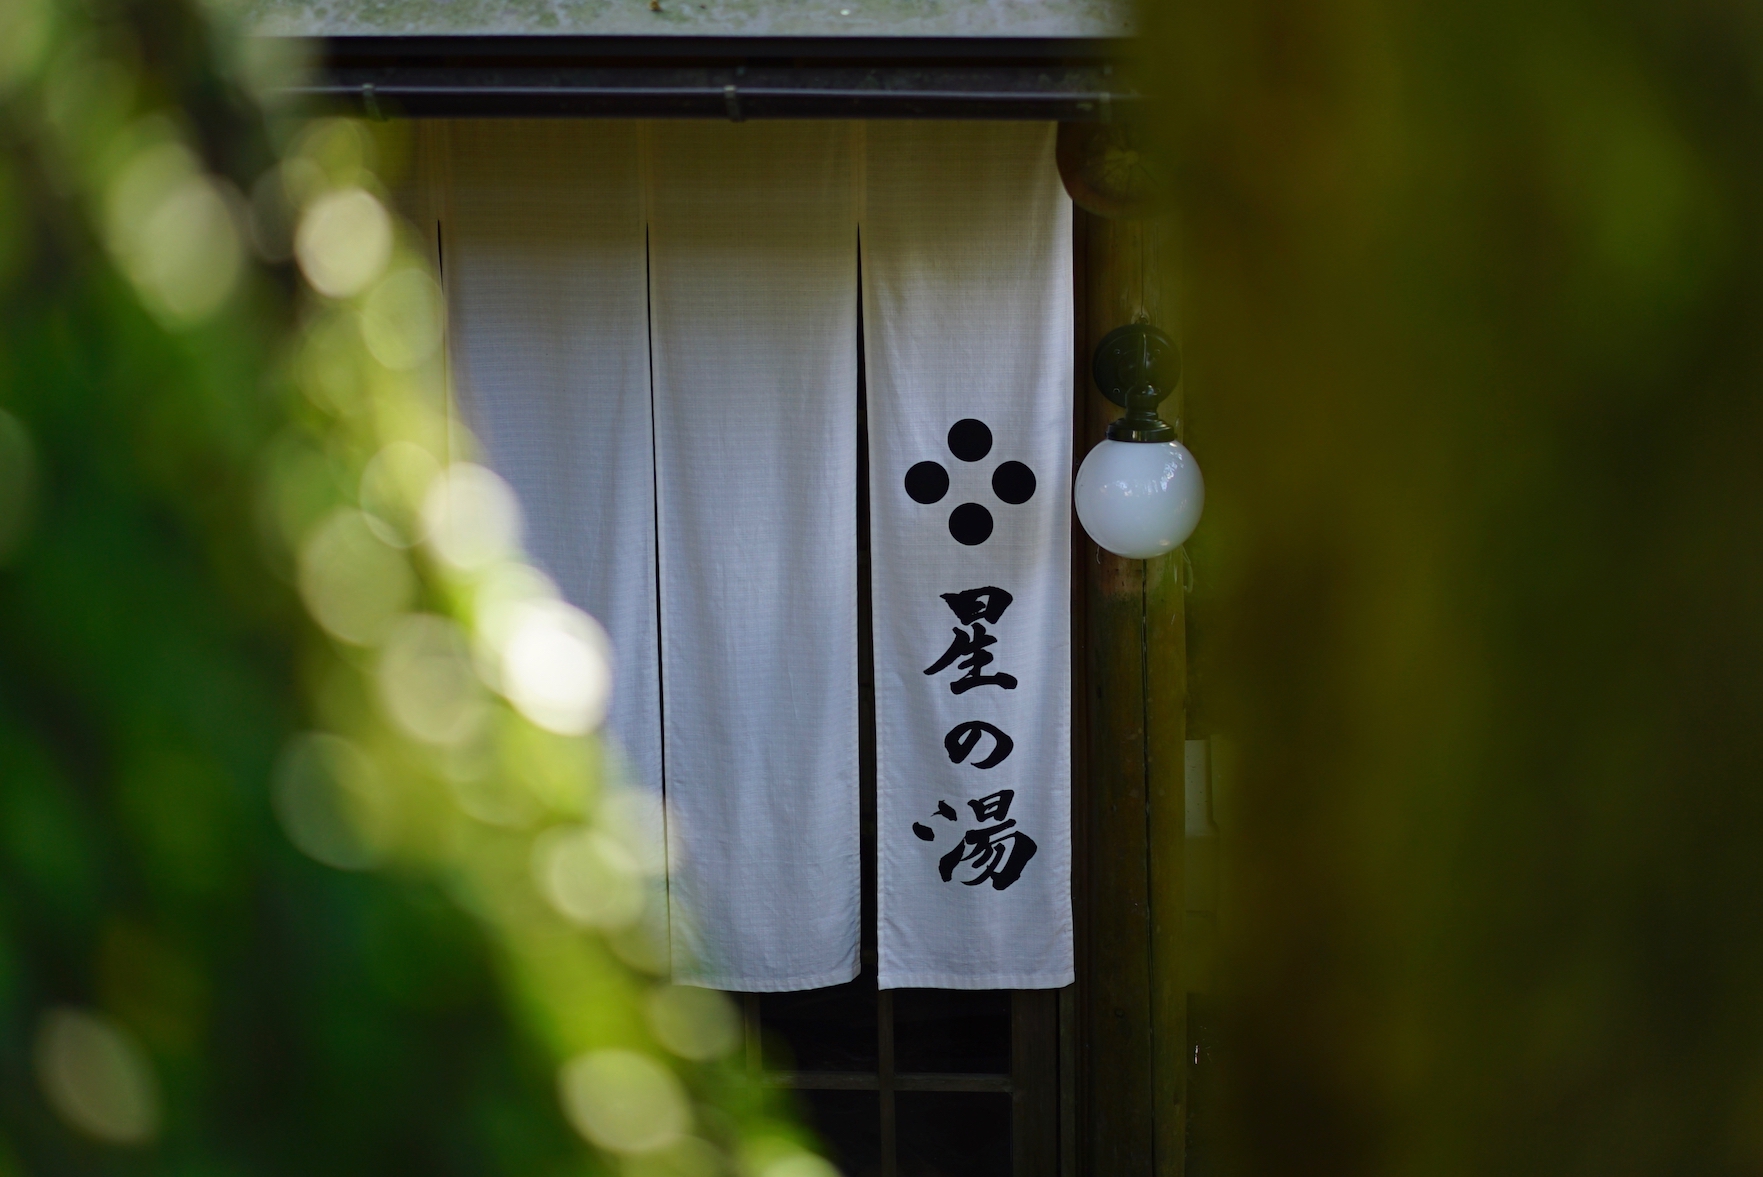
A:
x: 654, y: 331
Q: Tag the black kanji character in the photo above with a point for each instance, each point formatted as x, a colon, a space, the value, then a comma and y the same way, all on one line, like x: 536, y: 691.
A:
x: 964, y: 736
x: 924, y: 832
x: 995, y: 852
x: 993, y: 806
x: 979, y: 604
x: 974, y: 657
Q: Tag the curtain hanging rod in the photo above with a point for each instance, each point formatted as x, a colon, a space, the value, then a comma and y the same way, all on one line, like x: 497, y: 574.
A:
x: 732, y: 78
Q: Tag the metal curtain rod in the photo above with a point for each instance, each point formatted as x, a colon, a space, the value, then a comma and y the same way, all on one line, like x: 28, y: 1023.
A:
x: 733, y: 78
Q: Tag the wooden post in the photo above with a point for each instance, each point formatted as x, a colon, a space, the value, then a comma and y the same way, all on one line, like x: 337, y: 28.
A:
x: 1165, y: 759
x: 1131, y: 995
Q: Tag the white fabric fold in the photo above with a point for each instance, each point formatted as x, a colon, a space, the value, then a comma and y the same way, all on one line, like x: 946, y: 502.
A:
x: 968, y: 332
x: 543, y: 254
x: 753, y: 300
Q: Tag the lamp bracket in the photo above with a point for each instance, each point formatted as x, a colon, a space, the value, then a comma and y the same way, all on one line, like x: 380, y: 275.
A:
x: 1136, y: 367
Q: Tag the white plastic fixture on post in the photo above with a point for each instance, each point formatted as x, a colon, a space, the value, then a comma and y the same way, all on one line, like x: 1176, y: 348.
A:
x: 1139, y: 492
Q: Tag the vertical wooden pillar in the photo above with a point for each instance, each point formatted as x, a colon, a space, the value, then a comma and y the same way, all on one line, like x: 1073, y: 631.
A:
x: 1165, y: 759
x: 1132, y: 1000
x: 1034, y: 1083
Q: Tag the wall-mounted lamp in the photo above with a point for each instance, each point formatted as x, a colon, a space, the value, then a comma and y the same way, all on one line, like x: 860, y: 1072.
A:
x: 1139, y: 492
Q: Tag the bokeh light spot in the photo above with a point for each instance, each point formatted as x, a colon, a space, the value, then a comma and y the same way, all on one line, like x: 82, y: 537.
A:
x: 97, y: 1077
x: 471, y: 516
x: 801, y: 1164
x: 488, y: 794
x: 344, y: 242
x: 778, y: 1156
x: 174, y: 233
x: 401, y: 319
x: 354, y: 584
x: 427, y: 683
x: 392, y: 488
x: 339, y: 149
x: 556, y: 666
x: 689, y: 1156
x: 623, y: 1101
x: 330, y: 802
x: 588, y: 876
x: 693, y: 1023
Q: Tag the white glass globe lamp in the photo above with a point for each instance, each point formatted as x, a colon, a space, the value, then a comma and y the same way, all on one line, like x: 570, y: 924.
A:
x: 1139, y: 492
x: 1139, y: 499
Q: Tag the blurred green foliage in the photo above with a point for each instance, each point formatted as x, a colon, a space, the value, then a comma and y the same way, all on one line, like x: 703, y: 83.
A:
x: 308, y: 862
x: 1474, y: 313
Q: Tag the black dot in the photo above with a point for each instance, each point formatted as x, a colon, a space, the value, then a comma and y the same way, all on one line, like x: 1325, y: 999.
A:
x: 1014, y: 483
x: 927, y: 482
x: 970, y: 524
x: 970, y: 440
